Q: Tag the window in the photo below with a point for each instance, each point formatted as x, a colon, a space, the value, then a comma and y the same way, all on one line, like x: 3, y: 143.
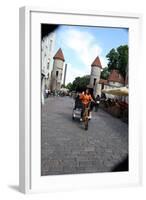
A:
x: 102, y: 87
x: 56, y: 73
x: 94, y: 81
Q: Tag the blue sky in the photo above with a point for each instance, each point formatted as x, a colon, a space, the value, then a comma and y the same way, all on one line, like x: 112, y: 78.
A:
x: 81, y: 45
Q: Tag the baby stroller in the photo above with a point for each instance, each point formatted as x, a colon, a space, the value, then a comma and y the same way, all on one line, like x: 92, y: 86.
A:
x: 77, y: 109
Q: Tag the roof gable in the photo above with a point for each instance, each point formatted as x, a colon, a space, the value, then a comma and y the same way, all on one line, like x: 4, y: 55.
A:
x: 96, y: 63
x: 115, y: 76
x: 59, y: 55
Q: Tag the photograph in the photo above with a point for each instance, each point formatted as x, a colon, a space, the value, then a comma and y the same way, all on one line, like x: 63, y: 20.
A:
x: 84, y: 99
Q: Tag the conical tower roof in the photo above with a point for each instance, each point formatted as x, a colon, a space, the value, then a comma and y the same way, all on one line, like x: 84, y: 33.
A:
x: 59, y: 55
x: 96, y: 63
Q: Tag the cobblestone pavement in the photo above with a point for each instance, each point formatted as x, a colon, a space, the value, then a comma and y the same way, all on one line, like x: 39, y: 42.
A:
x: 66, y: 148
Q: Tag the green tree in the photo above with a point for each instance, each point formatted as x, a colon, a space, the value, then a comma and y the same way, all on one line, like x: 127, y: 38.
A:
x: 122, y: 59
x: 69, y: 86
x: 118, y: 59
x: 105, y: 73
x: 80, y: 83
x: 112, y: 57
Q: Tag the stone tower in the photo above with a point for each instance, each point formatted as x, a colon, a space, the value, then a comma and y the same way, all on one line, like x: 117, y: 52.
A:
x: 57, y: 71
x: 95, y: 75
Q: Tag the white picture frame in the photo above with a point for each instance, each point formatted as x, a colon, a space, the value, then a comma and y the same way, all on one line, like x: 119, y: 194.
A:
x: 29, y: 143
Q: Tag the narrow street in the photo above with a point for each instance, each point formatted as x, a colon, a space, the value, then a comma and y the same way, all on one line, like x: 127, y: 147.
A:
x: 66, y: 148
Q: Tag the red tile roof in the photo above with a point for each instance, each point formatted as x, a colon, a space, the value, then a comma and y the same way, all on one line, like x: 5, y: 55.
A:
x: 115, y: 76
x: 59, y: 55
x: 103, y: 81
x: 96, y: 63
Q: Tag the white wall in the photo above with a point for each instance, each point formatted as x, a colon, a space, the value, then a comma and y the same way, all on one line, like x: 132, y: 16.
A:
x: 48, y: 44
x: 95, y: 74
x: 9, y: 84
x: 57, y: 66
x: 115, y: 84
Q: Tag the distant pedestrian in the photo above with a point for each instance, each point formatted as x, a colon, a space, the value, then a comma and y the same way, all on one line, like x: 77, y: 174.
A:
x: 46, y: 92
x: 97, y: 102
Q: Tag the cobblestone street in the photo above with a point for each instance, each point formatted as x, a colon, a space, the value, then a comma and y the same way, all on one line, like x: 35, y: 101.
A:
x: 66, y: 148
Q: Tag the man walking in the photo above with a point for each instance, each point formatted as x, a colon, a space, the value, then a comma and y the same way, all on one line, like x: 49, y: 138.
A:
x: 97, y: 102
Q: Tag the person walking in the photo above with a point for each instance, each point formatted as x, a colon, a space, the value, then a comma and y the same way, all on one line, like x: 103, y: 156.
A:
x: 97, y: 102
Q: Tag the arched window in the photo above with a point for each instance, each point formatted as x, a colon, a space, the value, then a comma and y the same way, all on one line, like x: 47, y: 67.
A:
x: 56, y: 73
x: 94, y: 81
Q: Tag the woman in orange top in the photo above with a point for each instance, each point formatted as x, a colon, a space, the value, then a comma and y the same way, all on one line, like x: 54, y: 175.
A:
x: 86, y: 99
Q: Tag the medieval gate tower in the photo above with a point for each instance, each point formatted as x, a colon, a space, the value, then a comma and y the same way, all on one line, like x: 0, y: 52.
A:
x: 57, y: 71
x: 95, y: 76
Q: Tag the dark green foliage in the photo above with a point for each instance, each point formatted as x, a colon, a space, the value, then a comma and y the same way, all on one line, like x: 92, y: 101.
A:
x: 122, y: 59
x: 69, y: 86
x: 112, y: 57
x: 79, y: 84
x: 118, y: 59
x: 105, y: 73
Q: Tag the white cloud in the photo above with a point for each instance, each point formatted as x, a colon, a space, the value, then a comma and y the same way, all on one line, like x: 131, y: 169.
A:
x: 83, y: 43
x: 86, y: 49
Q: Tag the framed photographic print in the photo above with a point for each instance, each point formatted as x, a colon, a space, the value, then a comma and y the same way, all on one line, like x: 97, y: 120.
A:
x: 79, y: 111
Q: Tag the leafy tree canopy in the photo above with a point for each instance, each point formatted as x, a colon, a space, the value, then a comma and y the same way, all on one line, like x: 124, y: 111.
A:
x: 112, y: 57
x: 118, y: 59
x: 105, y: 73
x: 79, y: 84
x: 122, y: 59
x: 69, y: 86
